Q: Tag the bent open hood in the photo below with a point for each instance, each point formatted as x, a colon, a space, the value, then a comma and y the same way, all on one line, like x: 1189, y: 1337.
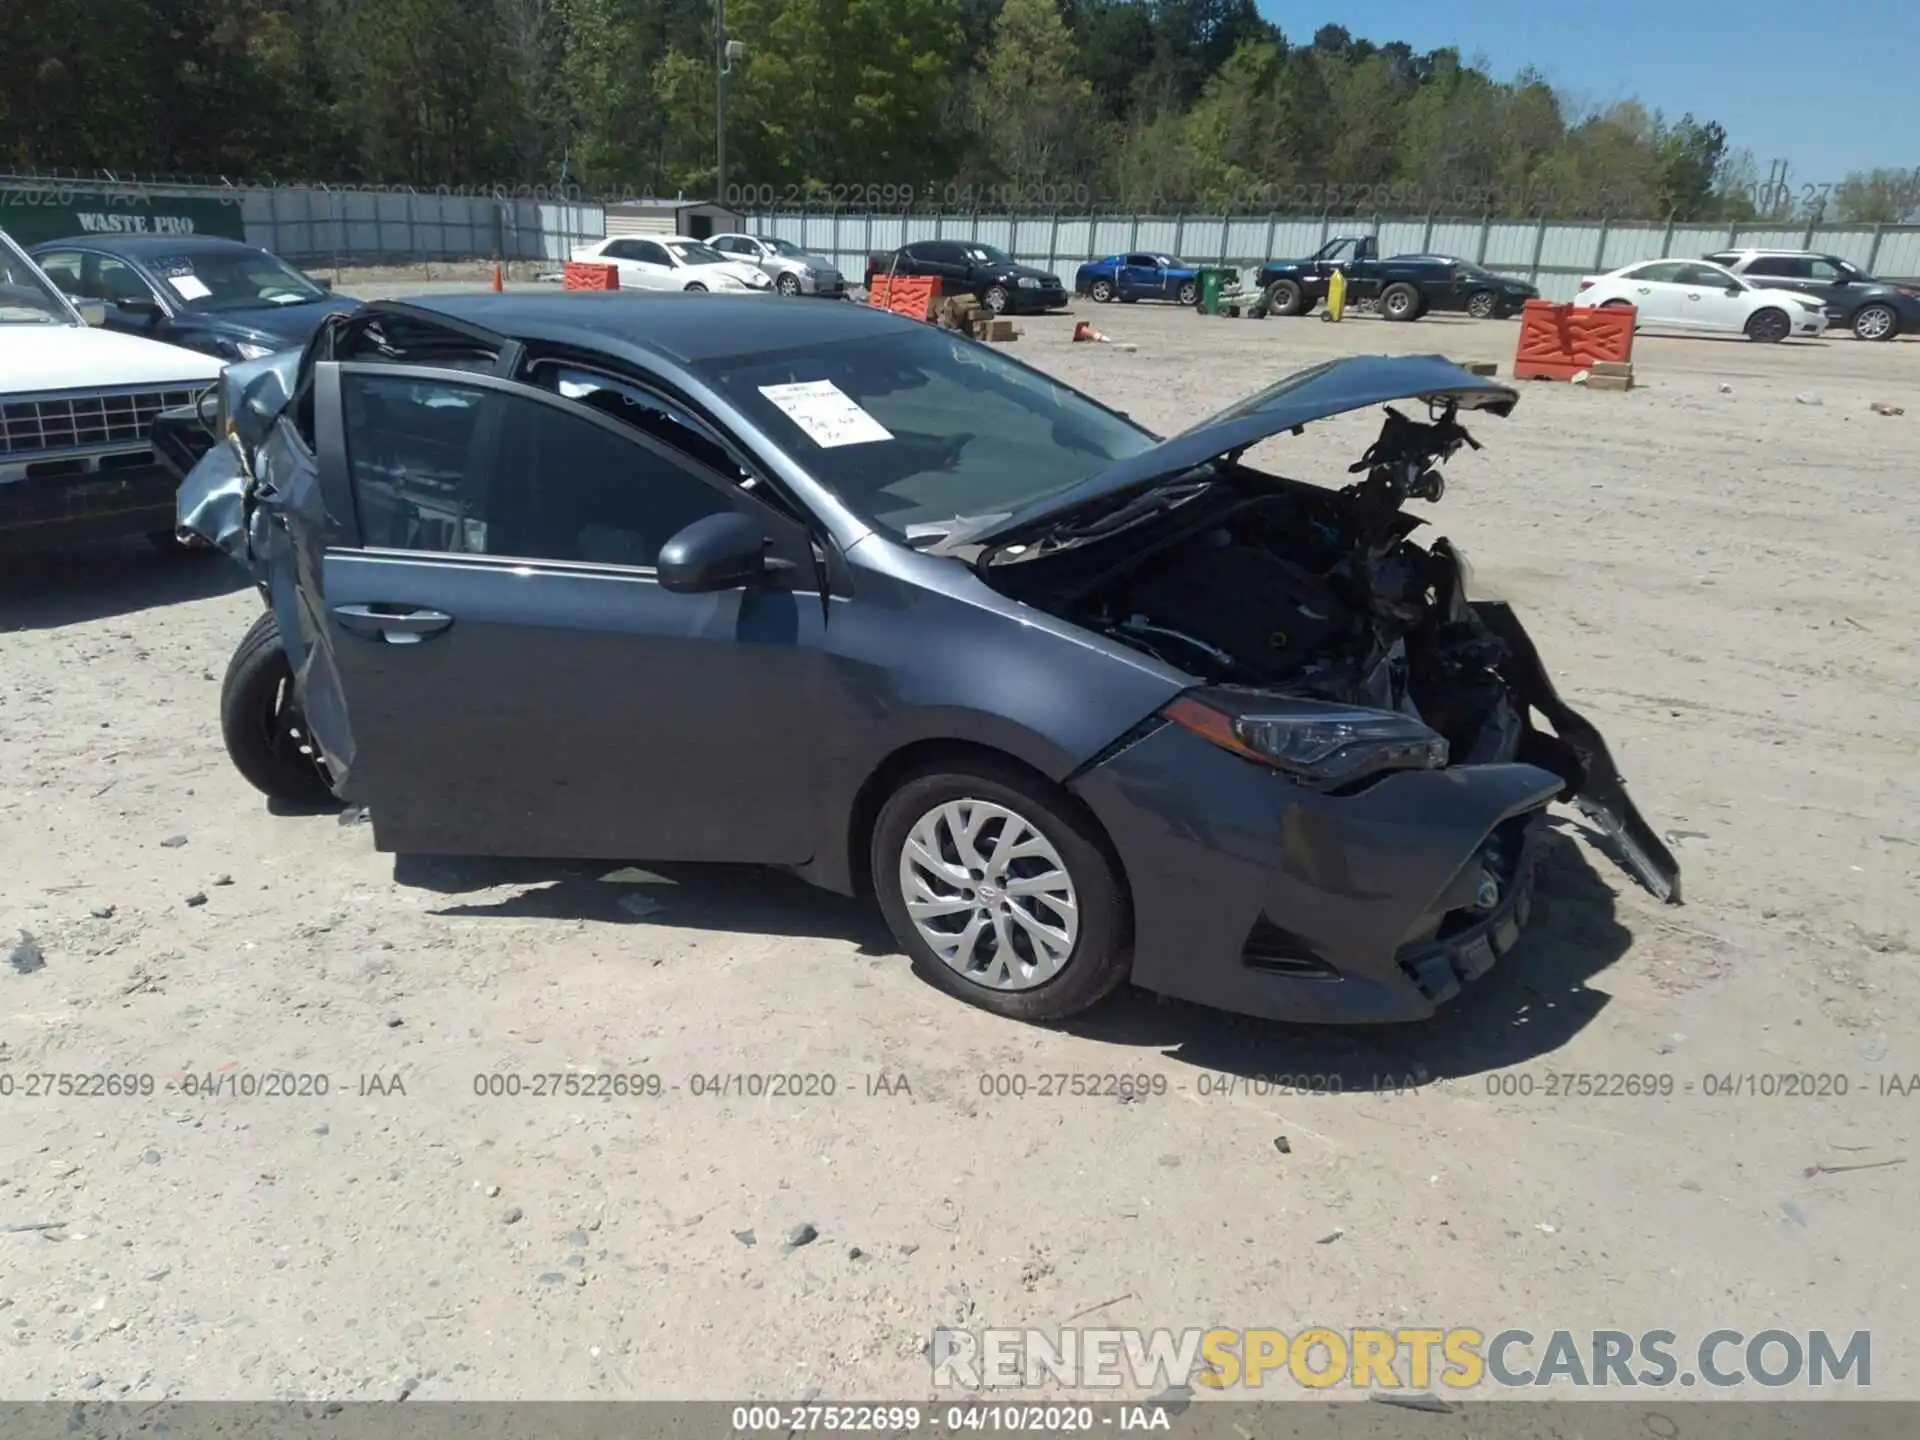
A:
x: 1334, y: 388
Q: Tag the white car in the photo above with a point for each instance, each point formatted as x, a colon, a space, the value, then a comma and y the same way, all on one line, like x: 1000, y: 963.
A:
x: 1698, y: 295
x: 77, y: 406
x: 674, y: 262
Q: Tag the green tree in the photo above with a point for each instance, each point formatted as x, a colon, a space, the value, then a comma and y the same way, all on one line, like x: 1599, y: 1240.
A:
x: 1034, y: 113
x: 1878, y: 197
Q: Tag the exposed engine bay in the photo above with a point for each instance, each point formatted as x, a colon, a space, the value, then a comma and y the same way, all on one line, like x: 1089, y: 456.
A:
x: 1258, y: 581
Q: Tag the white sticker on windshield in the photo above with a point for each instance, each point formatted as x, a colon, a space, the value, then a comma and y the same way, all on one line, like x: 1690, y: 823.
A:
x: 827, y: 413
x: 191, y: 287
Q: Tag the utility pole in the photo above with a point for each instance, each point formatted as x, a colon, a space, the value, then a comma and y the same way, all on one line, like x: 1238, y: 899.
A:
x: 720, y: 101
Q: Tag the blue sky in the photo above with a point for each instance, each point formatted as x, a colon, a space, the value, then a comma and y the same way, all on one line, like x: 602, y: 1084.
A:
x: 1827, y: 90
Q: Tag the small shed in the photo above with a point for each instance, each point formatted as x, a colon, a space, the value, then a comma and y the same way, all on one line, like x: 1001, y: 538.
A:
x: 695, y: 218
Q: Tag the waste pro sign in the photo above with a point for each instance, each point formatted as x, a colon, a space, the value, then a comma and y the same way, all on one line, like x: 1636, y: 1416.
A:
x: 32, y: 214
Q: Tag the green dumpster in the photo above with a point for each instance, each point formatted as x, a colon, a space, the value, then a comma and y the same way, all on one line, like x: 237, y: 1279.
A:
x: 1213, y: 279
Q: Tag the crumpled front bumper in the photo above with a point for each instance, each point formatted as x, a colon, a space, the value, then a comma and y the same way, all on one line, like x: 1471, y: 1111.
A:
x: 1256, y: 895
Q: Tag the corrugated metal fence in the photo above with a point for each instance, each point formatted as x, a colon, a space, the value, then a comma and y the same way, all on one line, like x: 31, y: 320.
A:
x: 318, y: 224
x: 1552, y: 254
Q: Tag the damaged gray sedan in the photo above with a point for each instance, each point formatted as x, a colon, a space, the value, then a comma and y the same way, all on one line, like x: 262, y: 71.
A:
x: 625, y: 577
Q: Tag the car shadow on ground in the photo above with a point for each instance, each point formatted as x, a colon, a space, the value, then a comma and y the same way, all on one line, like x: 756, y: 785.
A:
x: 1530, y: 1005
x: 49, y: 589
x: 745, y: 898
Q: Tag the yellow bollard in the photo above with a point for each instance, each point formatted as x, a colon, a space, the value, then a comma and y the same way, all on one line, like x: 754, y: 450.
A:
x: 1336, y: 295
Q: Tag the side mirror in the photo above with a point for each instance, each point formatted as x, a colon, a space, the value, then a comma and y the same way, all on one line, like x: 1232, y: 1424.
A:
x: 1733, y: 290
x: 1839, y: 280
x: 94, y: 312
x: 326, y: 285
x: 137, y: 308
x: 718, y: 552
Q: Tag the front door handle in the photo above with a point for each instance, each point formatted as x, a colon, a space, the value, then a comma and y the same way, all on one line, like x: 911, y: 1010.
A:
x: 395, y: 624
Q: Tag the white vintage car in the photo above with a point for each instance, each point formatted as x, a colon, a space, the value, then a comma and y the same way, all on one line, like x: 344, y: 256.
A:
x: 673, y: 262
x: 77, y: 406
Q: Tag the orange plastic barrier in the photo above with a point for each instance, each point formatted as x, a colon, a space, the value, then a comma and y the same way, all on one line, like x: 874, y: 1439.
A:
x: 580, y: 276
x: 1559, y: 341
x: 914, y: 296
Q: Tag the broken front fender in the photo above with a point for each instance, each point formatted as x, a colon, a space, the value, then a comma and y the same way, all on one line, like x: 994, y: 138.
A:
x: 215, y: 499
x: 1594, y: 782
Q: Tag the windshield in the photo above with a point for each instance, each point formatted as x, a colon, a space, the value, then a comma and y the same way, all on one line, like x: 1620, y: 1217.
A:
x: 785, y: 247
x: 213, y: 280
x: 25, y: 296
x: 692, y: 252
x: 922, y: 427
x: 992, y: 254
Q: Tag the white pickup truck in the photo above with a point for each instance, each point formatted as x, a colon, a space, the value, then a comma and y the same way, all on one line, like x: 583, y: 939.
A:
x: 77, y: 406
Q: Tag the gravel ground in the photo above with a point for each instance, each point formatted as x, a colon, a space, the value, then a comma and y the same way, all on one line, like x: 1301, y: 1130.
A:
x: 1718, y: 573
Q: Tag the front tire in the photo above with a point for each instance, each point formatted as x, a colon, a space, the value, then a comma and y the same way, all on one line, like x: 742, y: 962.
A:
x: 1285, y: 297
x: 1875, y: 322
x: 788, y: 285
x: 1101, y: 291
x: 1000, y: 889
x: 1482, y: 304
x: 1190, y: 293
x: 1769, y: 326
x: 261, y: 723
x: 694, y: 287
x: 1400, y: 302
x: 996, y: 299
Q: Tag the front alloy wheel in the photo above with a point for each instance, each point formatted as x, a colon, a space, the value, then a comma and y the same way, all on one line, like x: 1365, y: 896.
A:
x: 996, y: 298
x: 1190, y: 293
x: 989, y: 895
x: 1481, y: 304
x: 1769, y: 326
x: 1002, y: 891
x: 1101, y: 291
x: 1875, y: 322
x: 788, y: 284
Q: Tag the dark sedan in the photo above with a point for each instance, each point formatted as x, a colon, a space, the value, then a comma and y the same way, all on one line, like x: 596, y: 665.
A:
x: 967, y: 267
x: 222, y: 297
x: 624, y: 577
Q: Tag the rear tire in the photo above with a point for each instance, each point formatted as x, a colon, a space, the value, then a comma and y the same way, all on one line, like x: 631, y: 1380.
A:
x: 1059, y: 843
x: 1400, y: 302
x: 1769, y: 326
x: 259, y: 720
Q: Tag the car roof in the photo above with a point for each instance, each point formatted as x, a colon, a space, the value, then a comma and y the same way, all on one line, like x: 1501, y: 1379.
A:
x: 687, y: 328
x: 138, y: 247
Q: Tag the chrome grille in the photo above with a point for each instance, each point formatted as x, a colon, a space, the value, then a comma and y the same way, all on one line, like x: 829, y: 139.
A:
x: 57, y: 423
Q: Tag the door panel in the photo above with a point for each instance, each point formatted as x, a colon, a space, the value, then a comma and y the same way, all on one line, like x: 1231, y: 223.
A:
x: 518, y: 681
x: 568, y: 713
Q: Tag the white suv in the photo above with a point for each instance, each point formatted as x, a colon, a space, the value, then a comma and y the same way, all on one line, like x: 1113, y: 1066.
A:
x: 77, y: 407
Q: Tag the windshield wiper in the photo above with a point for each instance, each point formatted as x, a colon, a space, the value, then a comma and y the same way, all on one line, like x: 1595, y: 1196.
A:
x: 1160, y: 498
x: 932, y: 535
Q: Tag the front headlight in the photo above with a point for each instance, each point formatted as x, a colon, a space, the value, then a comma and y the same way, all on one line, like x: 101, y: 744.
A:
x: 1315, y: 743
x: 1812, y: 307
x: 759, y: 280
x: 250, y: 351
x: 1027, y: 282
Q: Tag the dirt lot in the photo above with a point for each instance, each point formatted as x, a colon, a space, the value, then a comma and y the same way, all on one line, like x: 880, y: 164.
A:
x: 1722, y: 577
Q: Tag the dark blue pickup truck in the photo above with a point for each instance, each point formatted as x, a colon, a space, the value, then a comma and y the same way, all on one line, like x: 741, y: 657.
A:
x: 1403, y: 287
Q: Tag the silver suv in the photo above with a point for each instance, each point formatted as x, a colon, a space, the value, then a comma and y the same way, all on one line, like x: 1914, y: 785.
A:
x: 794, y: 271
